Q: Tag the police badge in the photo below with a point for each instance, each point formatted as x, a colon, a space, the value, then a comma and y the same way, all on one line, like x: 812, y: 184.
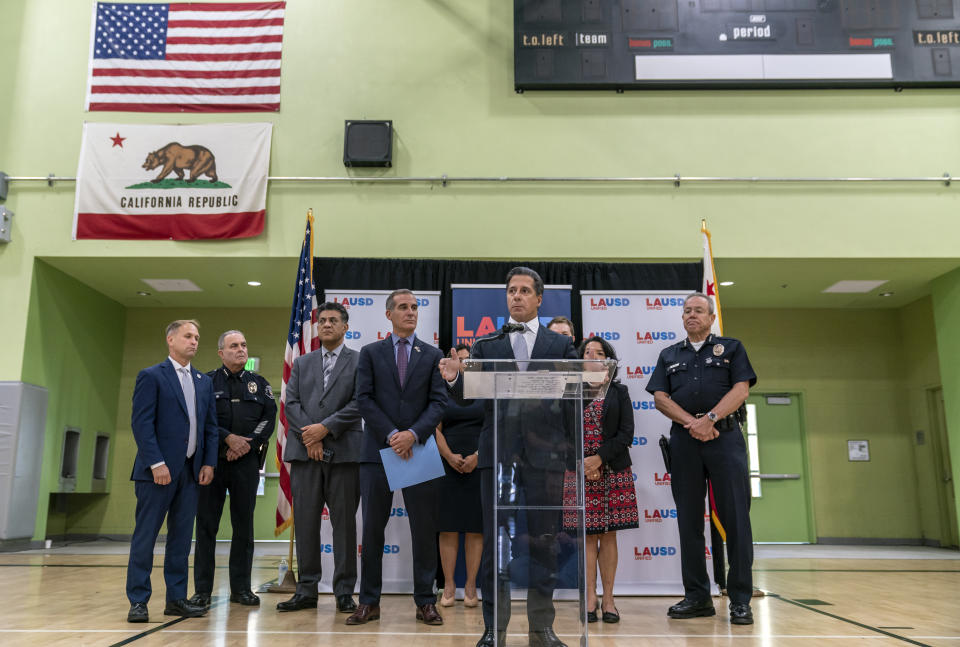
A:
x: 252, y: 387
x: 718, y: 349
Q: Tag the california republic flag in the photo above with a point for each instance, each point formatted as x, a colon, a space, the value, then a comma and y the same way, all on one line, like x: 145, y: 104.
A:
x: 175, y: 182
x: 710, y: 287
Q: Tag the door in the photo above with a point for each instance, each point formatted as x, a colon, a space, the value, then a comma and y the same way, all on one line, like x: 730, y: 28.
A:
x: 941, y: 450
x: 781, y: 510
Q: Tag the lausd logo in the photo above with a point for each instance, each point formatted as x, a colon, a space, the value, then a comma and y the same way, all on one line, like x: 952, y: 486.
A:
x: 391, y: 549
x: 354, y: 302
x: 608, y: 335
x: 650, y: 336
x: 603, y: 303
x: 649, y: 552
x: 706, y: 550
x: 639, y: 441
x: 644, y: 405
x: 661, y: 479
x: 659, y: 303
x: 658, y: 515
x: 638, y: 372
x: 353, y: 334
x: 422, y: 302
x: 325, y: 515
x: 485, y: 326
x: 398, y: 512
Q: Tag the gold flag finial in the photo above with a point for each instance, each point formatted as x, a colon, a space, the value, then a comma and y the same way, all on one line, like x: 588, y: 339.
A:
x: 703, y: 225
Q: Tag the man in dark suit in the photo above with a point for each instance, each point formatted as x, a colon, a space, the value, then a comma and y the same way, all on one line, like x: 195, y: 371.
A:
x: 174, y: 423
x: 401, y: 397
x: 534, y: 461
x: 323, y: 449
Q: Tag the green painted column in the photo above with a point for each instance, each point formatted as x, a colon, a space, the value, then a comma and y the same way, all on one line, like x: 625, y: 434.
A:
x: 945, y: 291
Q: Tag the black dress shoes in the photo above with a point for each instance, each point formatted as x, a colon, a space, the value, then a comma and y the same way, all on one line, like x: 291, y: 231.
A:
x: 688, y: 608
x: 592, y: 615
x: 200, y: 600
x: 246, y: 598
x: 345, y: 604
x: 545, y: 638
x: 297, y: 602
x: 138, y: 612
x: 740, y: 614
x: 183, y: 608
x: 492, y: 639
x: 611, y: 617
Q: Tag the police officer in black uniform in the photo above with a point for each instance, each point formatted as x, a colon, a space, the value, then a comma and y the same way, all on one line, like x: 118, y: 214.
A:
x: 700, y: 383
x: 246, y: 415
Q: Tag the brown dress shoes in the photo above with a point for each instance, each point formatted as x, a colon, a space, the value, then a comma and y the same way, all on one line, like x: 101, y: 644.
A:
x: 364, y: 614
x: 429, y: 615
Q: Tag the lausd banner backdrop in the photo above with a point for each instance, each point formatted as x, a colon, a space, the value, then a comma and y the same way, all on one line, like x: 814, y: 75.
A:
x: 177, y: 182
x: 480, y: 309
x: 367, y: 325
x: 639, y: 324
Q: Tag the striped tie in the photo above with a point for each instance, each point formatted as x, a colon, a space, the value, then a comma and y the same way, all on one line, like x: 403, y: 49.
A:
x: 328, y: 361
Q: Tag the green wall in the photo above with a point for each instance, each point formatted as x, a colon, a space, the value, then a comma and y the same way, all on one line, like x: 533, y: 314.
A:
x: 946, y: 308
x: 852, y: 368
x: 74, y: 345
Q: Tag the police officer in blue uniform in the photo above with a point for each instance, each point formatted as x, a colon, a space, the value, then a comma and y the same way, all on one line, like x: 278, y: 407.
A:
x: 700, y: 383
x: 246, y: 415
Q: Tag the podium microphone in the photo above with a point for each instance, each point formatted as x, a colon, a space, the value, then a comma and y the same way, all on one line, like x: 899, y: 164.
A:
x: 503, y: 332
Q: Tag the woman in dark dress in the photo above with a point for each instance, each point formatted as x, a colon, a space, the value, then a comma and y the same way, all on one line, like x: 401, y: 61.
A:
x: 609, y: 494
x: 458, y: 438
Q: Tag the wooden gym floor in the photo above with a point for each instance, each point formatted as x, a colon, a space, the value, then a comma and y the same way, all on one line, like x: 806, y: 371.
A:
x: 816, y: 595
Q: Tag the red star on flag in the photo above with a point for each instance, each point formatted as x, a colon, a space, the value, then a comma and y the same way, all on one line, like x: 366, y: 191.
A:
x: 117, y: 140
x: 711, y: 289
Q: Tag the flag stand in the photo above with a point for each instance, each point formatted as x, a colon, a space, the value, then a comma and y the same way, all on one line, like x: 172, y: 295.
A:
x: 289, y: 583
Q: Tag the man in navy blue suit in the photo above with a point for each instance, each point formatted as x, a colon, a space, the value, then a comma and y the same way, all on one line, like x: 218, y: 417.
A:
x: 174, y: 423
x: 401, y: 398
x: 540, y: 450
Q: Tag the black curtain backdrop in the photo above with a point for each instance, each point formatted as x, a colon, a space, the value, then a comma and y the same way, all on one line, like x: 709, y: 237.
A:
x: 436, y: 274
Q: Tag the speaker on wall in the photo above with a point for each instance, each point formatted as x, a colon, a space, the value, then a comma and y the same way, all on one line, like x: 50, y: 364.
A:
x: 368, y: 143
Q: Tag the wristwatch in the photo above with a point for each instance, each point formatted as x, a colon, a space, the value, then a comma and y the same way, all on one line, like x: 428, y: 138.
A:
x: 712, y: 416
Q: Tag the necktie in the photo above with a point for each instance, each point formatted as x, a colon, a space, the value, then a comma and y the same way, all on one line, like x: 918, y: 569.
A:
x: 402, y: 359
x: 190, y: 397
x: 328, y: 360
x: 520, y: 351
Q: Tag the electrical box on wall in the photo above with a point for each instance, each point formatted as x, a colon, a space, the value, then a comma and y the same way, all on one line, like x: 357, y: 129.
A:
x: 6, y: 224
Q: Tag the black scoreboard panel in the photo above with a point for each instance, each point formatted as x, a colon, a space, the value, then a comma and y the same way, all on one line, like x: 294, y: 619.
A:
x: 634, y: 44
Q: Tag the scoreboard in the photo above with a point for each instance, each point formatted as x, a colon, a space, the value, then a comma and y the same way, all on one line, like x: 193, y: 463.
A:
x: 637, y: 44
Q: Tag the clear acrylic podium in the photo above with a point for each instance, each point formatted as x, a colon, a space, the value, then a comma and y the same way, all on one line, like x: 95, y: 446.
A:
x: 538, y: 497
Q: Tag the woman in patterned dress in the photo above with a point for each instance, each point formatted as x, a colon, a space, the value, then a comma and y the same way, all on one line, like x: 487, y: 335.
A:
x: 609, y: 494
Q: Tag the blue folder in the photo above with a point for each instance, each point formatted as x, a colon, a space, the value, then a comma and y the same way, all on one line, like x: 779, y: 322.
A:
x: 424, y: 465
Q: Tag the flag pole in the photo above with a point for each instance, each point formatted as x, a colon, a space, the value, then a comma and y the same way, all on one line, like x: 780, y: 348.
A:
x: 713, y: 272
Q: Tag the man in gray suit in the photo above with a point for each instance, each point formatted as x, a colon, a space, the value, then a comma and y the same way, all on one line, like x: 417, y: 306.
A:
x: 323, y: 448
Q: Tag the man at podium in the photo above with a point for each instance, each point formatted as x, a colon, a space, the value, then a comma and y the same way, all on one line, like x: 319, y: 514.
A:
x: 533, y: 464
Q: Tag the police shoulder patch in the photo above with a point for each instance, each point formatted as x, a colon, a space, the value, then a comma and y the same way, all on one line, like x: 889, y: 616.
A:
x: 267, y: 391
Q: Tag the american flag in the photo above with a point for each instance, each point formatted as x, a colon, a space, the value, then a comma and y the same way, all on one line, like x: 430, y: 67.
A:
x: 186, y: 57
x: 301, y: 339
